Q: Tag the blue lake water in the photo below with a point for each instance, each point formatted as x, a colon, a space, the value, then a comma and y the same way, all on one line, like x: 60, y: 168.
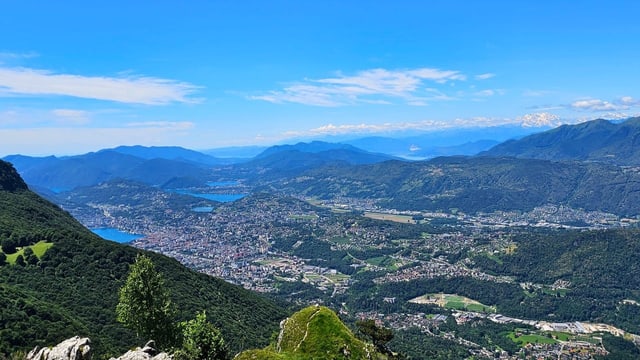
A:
x: 116, y: 235
x: 203, y: 209
x: 222, y: 183
x: 57, y: 190
x: 214, y: 197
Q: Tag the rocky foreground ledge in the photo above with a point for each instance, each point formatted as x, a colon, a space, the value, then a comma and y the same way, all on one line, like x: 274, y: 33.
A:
x: 77, y: 348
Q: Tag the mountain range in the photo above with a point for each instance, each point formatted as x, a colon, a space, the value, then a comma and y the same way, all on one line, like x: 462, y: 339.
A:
x: 598, y: 140
x: 573, y: 165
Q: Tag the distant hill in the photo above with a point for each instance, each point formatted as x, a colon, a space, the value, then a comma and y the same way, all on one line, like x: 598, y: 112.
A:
x: 291, y: 160
x: 459, y: 141
x: 475, y: 184
x: 167, y: 153
x: 469, y: 148
x: 66, y: 173
x: 315, y: 332
x: 236, y: 152
x: 72, y: 289
x: 597, y: 140
x: 329, y: 151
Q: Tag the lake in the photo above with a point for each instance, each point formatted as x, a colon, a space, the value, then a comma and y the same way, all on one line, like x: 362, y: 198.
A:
x: 222, y: 183
x: 116, y: 235
x: 214, y: 197
x: 203, y: 209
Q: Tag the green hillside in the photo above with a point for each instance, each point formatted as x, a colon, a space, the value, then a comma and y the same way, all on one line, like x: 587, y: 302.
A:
x: 473, y: 184
x: 73, y: 288
x: 597, y: 140
x: 315, y: 332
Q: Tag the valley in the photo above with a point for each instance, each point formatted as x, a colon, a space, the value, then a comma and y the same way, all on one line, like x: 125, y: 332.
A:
x: 358, y: 258
x: 539, y: 256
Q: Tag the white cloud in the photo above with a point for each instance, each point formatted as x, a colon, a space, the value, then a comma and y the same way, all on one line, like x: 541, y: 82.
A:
x: 71, y: 117
x: 374, y: 85
x: 129, y: 89
x: 484, y: 76
x: 485, y: 93
x: 597, y: 105
x: 17, y: 56
x: 541, y: 119
x: 167, y: 125
x: 9, y: 118
x: 425, y: 125
x: 628, y: 101
x: 616, y: 116
x: 536, y: 93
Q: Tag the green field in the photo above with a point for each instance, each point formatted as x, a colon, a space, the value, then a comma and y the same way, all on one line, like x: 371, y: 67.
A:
x: 38, y: 248
x: 452, y: 301
x: 561, y: 335
x: 340, y: 240
x: 338, y: 277
x: 304, y: 217
x: 390, y: 217
x: 494, y: 258
x: 383, y: 261
x: 531, y: 339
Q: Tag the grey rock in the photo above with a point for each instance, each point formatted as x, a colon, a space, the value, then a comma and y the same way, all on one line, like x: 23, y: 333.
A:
x: 75, y: 348
x: 148, y: 352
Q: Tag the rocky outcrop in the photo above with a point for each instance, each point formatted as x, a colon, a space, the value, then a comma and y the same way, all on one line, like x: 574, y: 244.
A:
x: 148, y: 352
x: 75, y: 348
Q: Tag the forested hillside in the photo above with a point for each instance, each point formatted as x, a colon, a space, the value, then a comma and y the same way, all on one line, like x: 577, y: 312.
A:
x: 597, y: 140
x: 72, y: 288
x: 474, y: 184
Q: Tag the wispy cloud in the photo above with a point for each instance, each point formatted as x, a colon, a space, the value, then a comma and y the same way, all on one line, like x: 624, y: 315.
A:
x: 129, y: 89
x: 529, y: 120
x: 4, y: 55
x: 623, y: 103
x: 489, y: 92
x: 628, y: 101
x: 71, y: 116
x: 536, y: 93
x: 374, y: 85
x: 484, y: 76
x: 166, y: 125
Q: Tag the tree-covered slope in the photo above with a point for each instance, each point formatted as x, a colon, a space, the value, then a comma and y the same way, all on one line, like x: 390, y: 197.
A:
x: 597, y: 140
x: 73, y: 288
x: 66, y: 173
x: 474, y: 184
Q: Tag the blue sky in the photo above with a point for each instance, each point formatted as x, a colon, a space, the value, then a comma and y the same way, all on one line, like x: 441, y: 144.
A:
x: 78, y: 76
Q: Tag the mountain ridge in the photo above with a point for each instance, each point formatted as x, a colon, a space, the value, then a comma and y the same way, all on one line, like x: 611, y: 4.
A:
x: 597, y: 140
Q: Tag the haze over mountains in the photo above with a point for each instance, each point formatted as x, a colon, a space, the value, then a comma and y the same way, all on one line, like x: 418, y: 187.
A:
x: 500, y: 178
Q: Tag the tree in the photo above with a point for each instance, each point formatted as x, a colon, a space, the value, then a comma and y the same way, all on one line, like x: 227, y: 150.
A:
x: 29, y: 256
x: 201, y: 341
x: 145, y: 305
x: 9, y: 246
x: 3, y: 259
x: 20, y: 261
x: 379, y: 335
